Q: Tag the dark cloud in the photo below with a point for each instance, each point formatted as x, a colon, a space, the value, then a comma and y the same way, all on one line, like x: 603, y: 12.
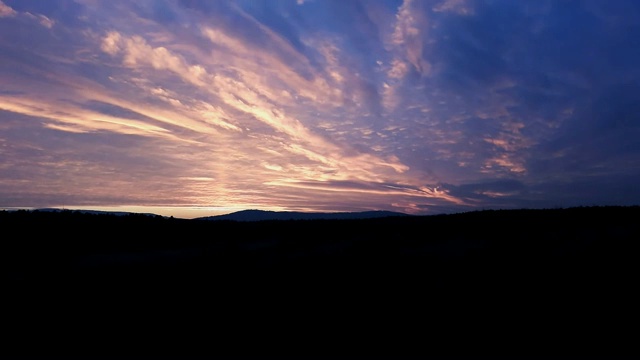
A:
x: 612, y: 189
x: 605, y: 134
x: 283, y: 17
x: 114, y: 110
x: 470, y: 52
x: 491, y: 193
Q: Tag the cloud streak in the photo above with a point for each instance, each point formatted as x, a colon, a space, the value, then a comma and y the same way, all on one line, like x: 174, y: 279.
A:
x: 6, y: 11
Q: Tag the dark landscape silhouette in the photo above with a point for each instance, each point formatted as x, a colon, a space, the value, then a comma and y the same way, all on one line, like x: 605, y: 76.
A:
x: 561, y: 274
x: 258, y: 215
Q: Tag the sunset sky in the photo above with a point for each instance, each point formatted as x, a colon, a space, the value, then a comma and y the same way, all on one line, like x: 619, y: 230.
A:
x: 194, y: 108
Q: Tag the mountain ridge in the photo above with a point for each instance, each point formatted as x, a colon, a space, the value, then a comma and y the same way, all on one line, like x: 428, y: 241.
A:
x: 244, y: 215
x: 261, y: 215
x: 92, y: 212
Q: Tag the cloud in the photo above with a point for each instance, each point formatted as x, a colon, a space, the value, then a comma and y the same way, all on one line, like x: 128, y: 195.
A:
x: 6, y: 11
x: 241, y: 97
x: 408, y: 35
x: 460, y: 7
x: 75, y: 119
x: 137, y: 51
x: 43, y: 20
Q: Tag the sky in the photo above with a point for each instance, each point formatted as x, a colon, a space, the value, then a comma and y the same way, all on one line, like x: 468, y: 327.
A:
x: 192, y: 108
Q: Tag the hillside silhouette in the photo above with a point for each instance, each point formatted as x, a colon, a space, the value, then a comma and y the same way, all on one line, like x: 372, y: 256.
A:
x: 567, y: 270
x: 260, y: 215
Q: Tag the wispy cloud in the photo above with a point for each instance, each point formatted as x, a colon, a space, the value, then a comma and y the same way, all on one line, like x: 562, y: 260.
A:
x: 6, y: 11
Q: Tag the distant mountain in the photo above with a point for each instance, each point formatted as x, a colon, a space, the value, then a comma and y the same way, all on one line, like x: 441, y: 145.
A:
x: 259, y: 215
x: 95, y: 212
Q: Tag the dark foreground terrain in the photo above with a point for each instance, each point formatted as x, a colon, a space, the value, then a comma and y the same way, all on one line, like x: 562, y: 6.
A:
x: 518, y: 282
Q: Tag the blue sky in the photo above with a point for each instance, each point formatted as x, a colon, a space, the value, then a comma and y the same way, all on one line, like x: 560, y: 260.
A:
x: 192, y: 108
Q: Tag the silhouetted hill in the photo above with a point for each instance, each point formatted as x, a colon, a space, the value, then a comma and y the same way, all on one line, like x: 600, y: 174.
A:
x: 95, y: 212
x: 260, y: 215
x: 535, y: 279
